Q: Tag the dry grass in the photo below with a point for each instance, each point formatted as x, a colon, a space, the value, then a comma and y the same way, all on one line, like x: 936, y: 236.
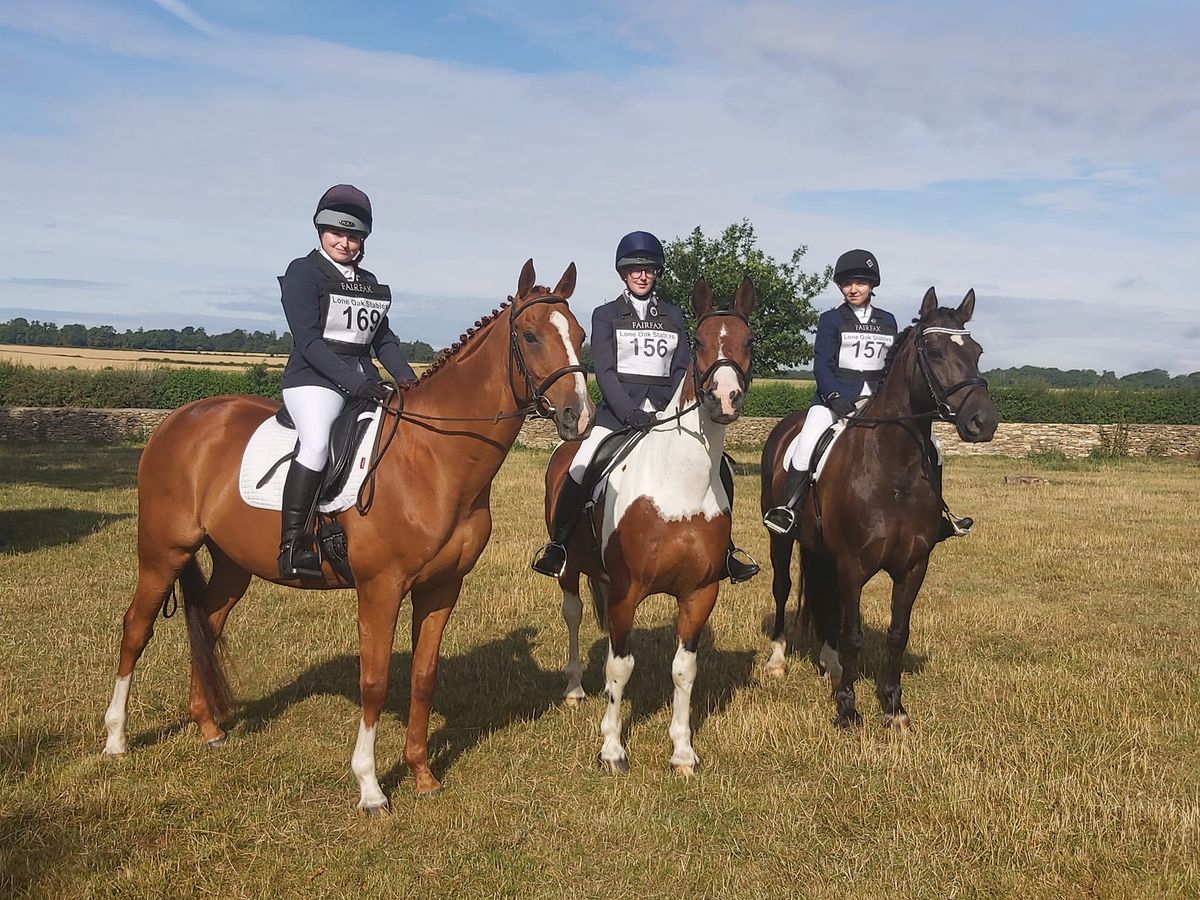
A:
x: 1051, y: 677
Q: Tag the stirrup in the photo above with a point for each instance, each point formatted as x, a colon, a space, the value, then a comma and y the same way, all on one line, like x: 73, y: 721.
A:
x: 783, y: 514
x: 543, y: 563
x: 749, y: 569
x: 290, y: 570
x: 962, y: 527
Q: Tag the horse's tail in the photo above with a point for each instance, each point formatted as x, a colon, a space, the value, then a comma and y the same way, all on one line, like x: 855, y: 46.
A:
x: 599, y: 602
x: 205, y: 649
x: 820, y: 611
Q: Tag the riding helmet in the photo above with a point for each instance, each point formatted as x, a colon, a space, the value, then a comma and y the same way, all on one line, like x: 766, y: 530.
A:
x: 640, y: 248
x: 345, y: 208
x: 856, y: 264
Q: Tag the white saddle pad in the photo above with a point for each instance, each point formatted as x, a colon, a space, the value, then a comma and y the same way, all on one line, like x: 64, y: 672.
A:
x: 271, y: 441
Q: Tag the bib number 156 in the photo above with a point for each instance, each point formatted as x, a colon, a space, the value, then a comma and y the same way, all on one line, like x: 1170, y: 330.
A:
x: 649, y: 345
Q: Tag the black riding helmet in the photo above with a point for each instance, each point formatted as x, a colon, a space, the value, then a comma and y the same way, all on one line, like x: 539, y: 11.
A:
x: 857, y: 264
x: 345, y: 208
x: 640, y: 248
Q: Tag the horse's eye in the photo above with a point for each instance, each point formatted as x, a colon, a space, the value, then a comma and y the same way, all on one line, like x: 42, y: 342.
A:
x: 530, y: 337
x: 935, y: 354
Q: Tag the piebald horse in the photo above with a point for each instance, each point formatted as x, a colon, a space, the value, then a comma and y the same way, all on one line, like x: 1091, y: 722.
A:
x: 426, y: 527
x: 876, y: 505
x: 663, y: 525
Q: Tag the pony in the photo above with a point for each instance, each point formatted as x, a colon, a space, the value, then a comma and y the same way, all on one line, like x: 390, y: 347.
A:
x: 428, y: 521
x: 877, y: 504
x: 662, y: 526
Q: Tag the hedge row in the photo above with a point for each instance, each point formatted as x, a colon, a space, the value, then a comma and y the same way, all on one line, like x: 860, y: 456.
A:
x: 163, y: 388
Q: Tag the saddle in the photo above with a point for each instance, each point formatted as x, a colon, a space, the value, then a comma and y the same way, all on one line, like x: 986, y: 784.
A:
x: 344, y: 437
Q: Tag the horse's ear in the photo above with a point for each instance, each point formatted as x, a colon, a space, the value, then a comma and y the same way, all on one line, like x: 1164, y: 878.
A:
x: 967, y: 308
x: 566, y: 285
x: 929, y: 304
x: 525, y: 282
x: 743, y: 302
x: 701, y: 298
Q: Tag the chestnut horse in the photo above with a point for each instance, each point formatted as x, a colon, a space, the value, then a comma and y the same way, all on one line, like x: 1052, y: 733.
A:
x: 427, y: 525
x: 877, y: 505
x: 662, y: 526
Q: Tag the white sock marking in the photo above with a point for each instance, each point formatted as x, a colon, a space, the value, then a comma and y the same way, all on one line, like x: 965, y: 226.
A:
x: 683, y: 673
x: 831, y: 661
x: 116, y: 715
x: 572, y: 612
x: 362, y: 763
x: 617, y: 671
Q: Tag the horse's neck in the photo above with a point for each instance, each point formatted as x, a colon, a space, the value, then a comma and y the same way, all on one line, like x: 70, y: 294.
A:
x: 895, y: 395
x: 474, y: 384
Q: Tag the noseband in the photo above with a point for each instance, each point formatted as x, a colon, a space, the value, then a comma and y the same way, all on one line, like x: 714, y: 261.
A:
x: 700, y: 379
x: 941, y: 395
x: 538, y: 406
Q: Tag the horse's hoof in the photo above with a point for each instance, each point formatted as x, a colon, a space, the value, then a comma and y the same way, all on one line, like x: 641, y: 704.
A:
x: 216, y: 743
x: 112, y: 754
x: 374, y: 810
x: 429, y: 792
x: 776, y: 671
x: 686, y: 769
x: 614, y: 766
x: 574, y: 700
x: 848, y: 721
x: 898, y: 723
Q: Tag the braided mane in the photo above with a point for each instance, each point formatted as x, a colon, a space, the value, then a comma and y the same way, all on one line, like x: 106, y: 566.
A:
x: 458, y: 346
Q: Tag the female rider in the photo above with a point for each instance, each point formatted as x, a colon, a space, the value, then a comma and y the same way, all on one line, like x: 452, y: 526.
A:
x: 850, y: 348
x: 635, y: 386
x: 337, y: 314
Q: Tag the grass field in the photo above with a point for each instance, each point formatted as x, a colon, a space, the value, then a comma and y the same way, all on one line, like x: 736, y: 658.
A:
x: 1052, y: 679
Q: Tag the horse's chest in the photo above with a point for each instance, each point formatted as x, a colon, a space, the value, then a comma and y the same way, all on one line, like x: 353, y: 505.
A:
x: 680, y: 482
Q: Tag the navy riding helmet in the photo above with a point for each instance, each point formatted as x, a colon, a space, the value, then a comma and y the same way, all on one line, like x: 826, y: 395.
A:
x: 640, y: 248
x: 345, y: 208
x: 857, y: 264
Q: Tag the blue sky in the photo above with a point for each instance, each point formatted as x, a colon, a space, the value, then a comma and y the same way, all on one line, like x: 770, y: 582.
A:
x: 161, y: 158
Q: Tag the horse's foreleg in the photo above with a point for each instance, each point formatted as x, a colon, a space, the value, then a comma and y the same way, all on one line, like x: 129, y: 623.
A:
x: 156, y: 577
x: 431, y: 610
x: 618, y: 669
x: 572, y: 612
x: 226, y: 586
x: 904, y: 594
x: 378, y: 607
x: 694, y: 610
x: 850, y: 644
x: 781, y: 589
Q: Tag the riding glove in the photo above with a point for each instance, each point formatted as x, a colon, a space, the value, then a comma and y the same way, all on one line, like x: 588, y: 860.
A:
x: 640, y: 419
x: 840, y: 405
x: 373, y: 390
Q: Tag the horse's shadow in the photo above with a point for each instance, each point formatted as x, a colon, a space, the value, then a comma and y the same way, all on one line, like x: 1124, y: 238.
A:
x: 872, y: 661
x: 720, y: 673
x: 97, y: 469
x: 479, y: 693
x: 27, y: 530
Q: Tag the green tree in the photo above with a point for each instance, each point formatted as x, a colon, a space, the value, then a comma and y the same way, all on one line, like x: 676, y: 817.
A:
x: 783, y: 313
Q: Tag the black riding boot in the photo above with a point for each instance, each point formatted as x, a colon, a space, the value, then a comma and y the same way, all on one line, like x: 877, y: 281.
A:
x: 735, y: 570
x: 552, y: 559
x: 782, y: 519
x: 951, y: 525
x: 296, y: 557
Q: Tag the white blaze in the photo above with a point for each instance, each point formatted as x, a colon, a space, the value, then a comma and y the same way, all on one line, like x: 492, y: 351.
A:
x: 581, y: 395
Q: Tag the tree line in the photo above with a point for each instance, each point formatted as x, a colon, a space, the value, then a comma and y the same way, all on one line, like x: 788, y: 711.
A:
x: 104, y: 337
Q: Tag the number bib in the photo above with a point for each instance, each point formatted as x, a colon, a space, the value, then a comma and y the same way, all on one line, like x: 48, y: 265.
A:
x: 645, y: 350
x: 863, y: 351
x: 351, y: 313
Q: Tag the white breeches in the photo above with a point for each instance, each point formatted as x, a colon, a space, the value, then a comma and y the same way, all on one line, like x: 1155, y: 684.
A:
x: 799, y: 452
x: 313, y: 408
x: 587, y: 449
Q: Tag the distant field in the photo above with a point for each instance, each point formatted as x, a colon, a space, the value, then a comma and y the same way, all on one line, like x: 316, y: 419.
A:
x: 87, y: 358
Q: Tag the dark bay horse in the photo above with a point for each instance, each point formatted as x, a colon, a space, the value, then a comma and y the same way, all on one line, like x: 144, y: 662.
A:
x: 663, y: 525
x: 877, y: 501
x: 427, y: 524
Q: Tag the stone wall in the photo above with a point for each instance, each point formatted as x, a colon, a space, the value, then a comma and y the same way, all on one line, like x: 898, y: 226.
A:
x: 111, y: 425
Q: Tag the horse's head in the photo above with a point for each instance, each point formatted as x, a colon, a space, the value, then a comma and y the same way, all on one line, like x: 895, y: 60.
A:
x: 545, y: 344
x: 948, y: 358
x: 721, y: 356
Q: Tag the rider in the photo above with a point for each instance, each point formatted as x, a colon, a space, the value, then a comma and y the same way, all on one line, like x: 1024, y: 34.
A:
x: 337, y: 314
x: 850, y: 349
x: 635, y: 386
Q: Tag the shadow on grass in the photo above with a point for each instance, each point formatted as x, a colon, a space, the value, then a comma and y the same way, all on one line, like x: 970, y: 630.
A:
x: 26, y: 530
x: 77, y: 467
x: 19, y: 753
x: 35, y: 845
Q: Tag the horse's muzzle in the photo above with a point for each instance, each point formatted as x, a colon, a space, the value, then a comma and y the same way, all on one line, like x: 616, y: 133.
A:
x: 978, y: 426
x: 574, y: 424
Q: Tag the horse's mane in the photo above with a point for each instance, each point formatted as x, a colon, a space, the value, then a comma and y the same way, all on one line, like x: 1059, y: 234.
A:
x: 892, y: 353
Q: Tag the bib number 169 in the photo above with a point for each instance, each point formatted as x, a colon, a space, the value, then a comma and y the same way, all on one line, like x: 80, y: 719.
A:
x: 364, y: 319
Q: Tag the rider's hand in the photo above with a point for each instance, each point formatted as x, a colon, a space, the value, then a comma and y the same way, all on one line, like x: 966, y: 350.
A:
x: 373, y: 390
x: 640, y: 419
x: 841, y: 406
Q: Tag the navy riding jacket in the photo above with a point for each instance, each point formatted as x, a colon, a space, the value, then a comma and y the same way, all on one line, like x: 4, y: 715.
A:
x: 312, y: 362
x: 620, y: 398
x: 826, y: 347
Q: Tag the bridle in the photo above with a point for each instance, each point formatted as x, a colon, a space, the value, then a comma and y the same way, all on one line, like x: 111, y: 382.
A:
x: 537, y: 405
x: 700, y: 379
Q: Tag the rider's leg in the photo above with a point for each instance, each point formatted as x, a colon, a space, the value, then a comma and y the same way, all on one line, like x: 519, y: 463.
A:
x: 951, y: 525
x: 735, y: 570
x: 313, y: 409
x: 552, y: 558
x: 781, y: 519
